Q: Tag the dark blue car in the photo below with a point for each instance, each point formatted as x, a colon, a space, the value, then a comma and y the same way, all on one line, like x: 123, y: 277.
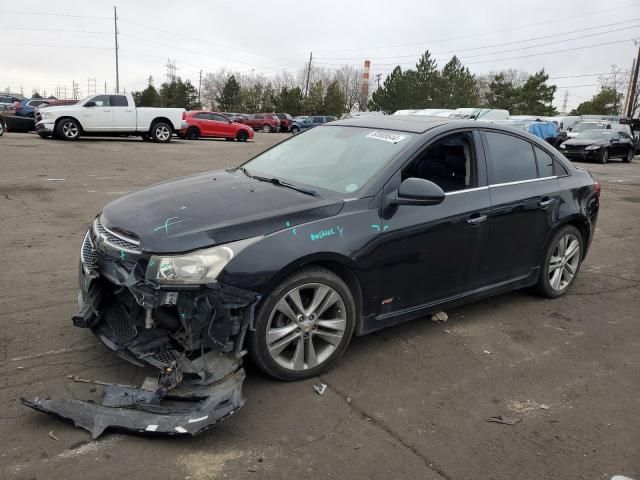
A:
x: 310, y: 122
x: 27, y: 107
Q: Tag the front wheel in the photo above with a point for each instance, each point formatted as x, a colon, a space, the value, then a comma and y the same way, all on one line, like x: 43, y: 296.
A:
x: 295, y: 129
x: 242, y: 136
x: 266, y: 129
x: 303, y: 326
x: 161, y: 132
x: 1, y: 127
x: 629, y: 157
x: 604, y: 156
x: 68, y: 129
x: 561, y: 263
x: 193, y: 134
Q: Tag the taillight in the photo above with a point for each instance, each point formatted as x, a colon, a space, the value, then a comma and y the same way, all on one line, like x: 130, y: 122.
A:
x: 184, y: 115
x: 596, y: 189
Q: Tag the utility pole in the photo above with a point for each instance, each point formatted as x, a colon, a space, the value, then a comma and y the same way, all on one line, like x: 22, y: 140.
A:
x: 115, y: 31
x: 199, y: 88
x: 378, y: 77
x: 105, y: 87
x: 306, y: 88
x: 633, y: 85
x: 564, y: 101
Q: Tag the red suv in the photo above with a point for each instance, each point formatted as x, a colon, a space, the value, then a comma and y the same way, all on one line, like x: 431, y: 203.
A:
x: 202, y: 123
x: 285, y: 121
x: 267, y: 122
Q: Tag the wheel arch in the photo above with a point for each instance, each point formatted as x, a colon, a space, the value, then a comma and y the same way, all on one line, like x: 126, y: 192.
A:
x: 577, y: 221
x: 66, y: 117
x: 338, y: 264
x: 161, y: 119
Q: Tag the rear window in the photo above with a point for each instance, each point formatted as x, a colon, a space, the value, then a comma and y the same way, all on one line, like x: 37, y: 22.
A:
x: 119, y: 101
x: 510, y: 158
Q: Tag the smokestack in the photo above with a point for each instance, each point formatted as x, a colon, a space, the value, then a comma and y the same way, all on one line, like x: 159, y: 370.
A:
x: 365, y: 83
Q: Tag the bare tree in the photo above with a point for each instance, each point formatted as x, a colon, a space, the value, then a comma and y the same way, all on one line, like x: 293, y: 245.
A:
x: 617, y: 80
x: 349, y: 79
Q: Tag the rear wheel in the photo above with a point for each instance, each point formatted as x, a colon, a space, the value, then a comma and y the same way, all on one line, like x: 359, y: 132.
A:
x: 604, y: 156
x: 266, y: 128
x: 561, y: 263
x: 242, y: 136
x: 295, y: 129
x: 161, y: 132
x: 193, y: 133
x: 68, y: 129
x: 629, y: 157
x: 1, y: 127
x: 303, y: 326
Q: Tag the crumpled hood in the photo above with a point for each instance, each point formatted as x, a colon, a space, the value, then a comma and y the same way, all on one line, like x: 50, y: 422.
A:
x: 210, y: 209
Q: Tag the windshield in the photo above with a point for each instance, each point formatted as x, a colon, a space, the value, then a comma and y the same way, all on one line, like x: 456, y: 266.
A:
x: 595, y: 135
x: 340, y: 159
x: 583, y: 127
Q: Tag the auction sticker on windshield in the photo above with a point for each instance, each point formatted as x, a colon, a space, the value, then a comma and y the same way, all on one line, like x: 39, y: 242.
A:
x: 386, y: 136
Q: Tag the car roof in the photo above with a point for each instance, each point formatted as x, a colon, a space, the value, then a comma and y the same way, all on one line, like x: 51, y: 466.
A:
x: 405, y: 123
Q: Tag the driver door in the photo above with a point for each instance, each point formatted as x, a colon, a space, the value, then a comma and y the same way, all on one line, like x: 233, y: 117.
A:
x: 428, y: 254
x: 99, y: 116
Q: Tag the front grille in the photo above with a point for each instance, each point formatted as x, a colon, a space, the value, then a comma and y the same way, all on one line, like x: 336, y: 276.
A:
x: 38, y: 116
x: 121, y: 328
x: 116, y: 240
x: 88, y: 254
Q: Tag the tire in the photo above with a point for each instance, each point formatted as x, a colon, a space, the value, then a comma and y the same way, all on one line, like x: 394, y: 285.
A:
x: 68, y: 129
x: 44, y: 135
x: 161, y: 132
x: 193, y: 133
x: 1, y: 127
x: 629, y: 157
x: 604, y: 156
x: 292, y: 336
x: 242, y: 136
x: 266, y: 128
x: 555, y: 283
x: 295, y: 130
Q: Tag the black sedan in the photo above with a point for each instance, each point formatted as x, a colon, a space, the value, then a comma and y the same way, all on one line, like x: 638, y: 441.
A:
x: 340, y: 231
x: 600, y: 146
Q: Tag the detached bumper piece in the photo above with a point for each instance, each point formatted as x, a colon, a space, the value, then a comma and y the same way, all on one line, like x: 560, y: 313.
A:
x: 185, y: 411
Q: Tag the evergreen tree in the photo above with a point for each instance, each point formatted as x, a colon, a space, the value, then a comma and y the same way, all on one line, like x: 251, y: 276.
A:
x: 535, y: 97
x: 457, y: 86
x: 606, y: 102
x: 149, y: 97
x: 229, y: 98
x: 424, y: 84
x: 334, y: 100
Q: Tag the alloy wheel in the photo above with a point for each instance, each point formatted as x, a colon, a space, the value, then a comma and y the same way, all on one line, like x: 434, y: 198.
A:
x: 70, y: 129
x: 564, y: 262
x: 266, y: 129
x: 162, y: 133
x: 306, y: 326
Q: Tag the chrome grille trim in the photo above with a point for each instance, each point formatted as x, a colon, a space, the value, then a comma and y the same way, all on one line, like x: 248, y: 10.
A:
x: 115, y: 240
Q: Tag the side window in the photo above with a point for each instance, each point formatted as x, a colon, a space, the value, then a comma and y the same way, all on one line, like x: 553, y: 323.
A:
x: 101, y: 101
x: 545, y: 163
x: 510, y: 158
x: 449, y: 163
x: 318, y: 119
x: 202, y: 116
x: 218, y: 118
x: 118, y: 101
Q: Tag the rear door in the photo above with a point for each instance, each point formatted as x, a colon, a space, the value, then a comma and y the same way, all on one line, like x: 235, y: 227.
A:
x: 124, y: 115
x: 524, y: 198
x: 220, y: 125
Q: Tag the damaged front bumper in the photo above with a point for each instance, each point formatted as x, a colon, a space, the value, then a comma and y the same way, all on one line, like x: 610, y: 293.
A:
x: 192, y: 334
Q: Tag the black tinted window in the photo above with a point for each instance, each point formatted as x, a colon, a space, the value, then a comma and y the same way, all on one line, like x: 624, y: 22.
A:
x: 203, y: 116
x: 219, y: 118
x: 545, y: 163
x: 119, y: 101
x: 510, y: 158
x: 317, y: 119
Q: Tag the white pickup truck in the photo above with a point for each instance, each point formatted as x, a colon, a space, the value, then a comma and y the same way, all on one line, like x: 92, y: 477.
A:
x: 109, y: 115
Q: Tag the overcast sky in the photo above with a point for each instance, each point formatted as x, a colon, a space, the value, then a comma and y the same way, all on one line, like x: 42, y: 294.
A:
x: 46, y: 44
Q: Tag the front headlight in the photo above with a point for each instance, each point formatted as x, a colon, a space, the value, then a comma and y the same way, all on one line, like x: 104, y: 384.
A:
x: 563, y: 146
x: 44, y: 115
x: 201, y: 266
x: 593, y: 147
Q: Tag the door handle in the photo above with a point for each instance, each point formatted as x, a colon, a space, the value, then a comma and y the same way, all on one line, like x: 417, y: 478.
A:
x: 128, y: 111
x: 545, y: 202
x: 107, y: 111
x: 476, y: 219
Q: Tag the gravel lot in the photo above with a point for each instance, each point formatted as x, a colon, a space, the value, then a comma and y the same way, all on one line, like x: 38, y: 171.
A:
x: 408, y: 402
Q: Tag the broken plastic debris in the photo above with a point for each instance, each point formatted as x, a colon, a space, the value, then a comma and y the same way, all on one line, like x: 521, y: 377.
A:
x: 439, y: 317
x: 55, y: 179
x: 544, y: 406
x: 320, y: 388
x: 487, y: 352
x: 52, y: 435
x: 505, y: 420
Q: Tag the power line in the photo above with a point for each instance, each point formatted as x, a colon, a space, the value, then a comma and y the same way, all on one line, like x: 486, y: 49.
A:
x: 55, y: 46
x: 475, y: 35
x: 511, y: 43
x: 39, y: 29
x: 47, y: 14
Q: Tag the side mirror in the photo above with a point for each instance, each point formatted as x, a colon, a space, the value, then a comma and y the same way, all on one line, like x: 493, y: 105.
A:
x: 569, y: 129
x: 90, y: 104
x: 418, y: 191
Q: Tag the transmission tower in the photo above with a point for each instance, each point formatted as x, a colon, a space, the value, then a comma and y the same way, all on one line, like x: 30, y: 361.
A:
x: 171, y: 70
x: 92, y: 86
